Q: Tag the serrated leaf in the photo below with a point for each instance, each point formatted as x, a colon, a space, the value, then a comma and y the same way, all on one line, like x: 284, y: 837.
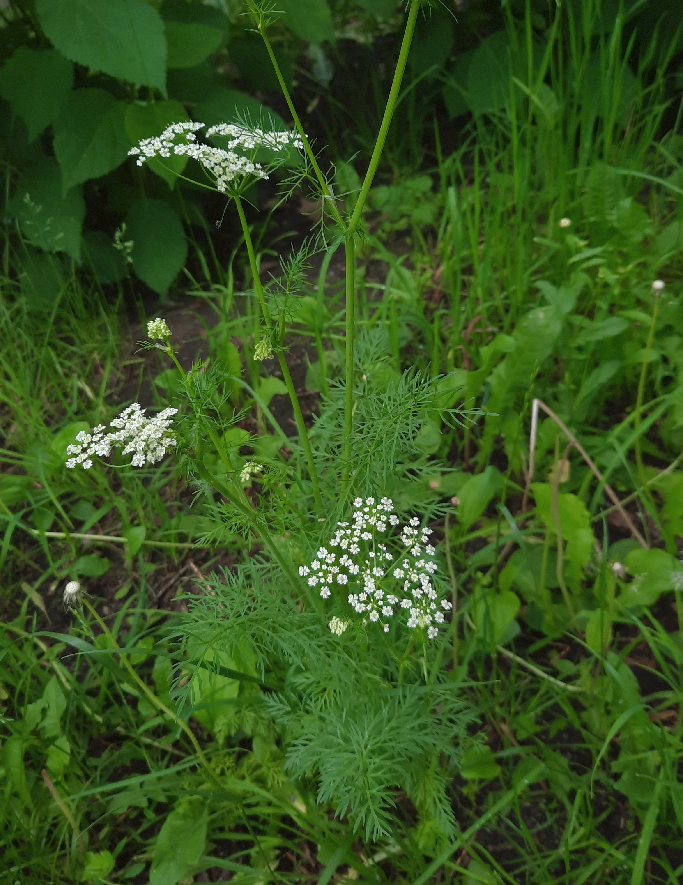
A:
x: 146, y: 121
x: 159, y: 245
x: 90, y: 136
x: 49, y: 218
x: 122, y: 38
x: 37, y: 83
x: 309, y: 19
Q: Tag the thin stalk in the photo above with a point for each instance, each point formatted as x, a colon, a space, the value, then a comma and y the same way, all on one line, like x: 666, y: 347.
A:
x: 350, y: 249
x: 351, y: 231
x: 328, y: 196
x: 284, y: 368
x: 641, y: 392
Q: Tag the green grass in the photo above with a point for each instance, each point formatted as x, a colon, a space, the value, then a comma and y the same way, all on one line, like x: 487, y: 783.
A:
x: 566, y: 640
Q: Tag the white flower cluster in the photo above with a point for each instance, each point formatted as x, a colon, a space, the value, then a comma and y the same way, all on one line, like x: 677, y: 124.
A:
x: 146, y: 438
x: 381, y: 581
x: 157, y: 330
x: 263, y: 350
x: 224, y: 166
x: 250, y: 469
x: 337, y: 626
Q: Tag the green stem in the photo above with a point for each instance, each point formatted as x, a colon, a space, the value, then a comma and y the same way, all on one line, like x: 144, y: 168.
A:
x: 386, y: 120
x: 641, y: 392
x: 350, y: 249
x: 351, y: 232
x: 284, y: 368
x: 327, y: 194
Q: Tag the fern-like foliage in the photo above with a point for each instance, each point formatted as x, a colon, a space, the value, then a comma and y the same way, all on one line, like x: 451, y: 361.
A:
x: 390, y: 411
x: 372, y: 744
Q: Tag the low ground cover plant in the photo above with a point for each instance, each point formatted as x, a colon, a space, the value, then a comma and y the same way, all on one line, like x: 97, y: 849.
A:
x: 432, y: 633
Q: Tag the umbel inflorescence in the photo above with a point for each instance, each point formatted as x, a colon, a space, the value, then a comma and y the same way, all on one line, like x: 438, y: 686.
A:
x: 381, y: 573
x: 226, y: 167
x: 147, y: 439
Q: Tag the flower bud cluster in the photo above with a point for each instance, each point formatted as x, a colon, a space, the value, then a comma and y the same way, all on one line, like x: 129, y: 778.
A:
x: 147, y: 439
x: 382, y: 578
x: 224, y: 166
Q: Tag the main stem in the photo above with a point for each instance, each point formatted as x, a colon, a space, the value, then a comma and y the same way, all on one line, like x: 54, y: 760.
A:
x: 351, y: 231
x: 284, y: 368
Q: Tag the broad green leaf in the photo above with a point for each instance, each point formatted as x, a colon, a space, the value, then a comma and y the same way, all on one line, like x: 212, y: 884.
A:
x: 159, y: 244
x: 55, y: 705
x: 122, y: 38
x: 58, y: 756
x: 479, y: 764
x: 479, y: 873
x: 598, y: 631
x: 49, y: 218
x: 91, y: 565
x: 575, y: 526
x: 476, y: 494
x: 597, y: 379
x: 428, y: 437
x: 134, y: 536
x: 432, y: 42
x: 98, y: 865
x: 37, y: 84
x: 190, y: 44
x: 655, y: 571
x: 309, y: 19
x: 180, y: 842
x: 488, y: 76
x: 148, y: 120
x: 608, y: 328
x: 12, y: 758
x: 90, y: 136
x: 493, y: 613
x: 269, y: 387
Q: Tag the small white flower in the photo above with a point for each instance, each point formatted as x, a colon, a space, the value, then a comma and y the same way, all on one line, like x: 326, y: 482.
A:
x: 658, y: 285
x: 263, y: 350
x: 407, y: 583
x: 251, y: 468
x: 337, y: 626
x: 565, y: 222
x: 72, y: 594
x: 157, y: 330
